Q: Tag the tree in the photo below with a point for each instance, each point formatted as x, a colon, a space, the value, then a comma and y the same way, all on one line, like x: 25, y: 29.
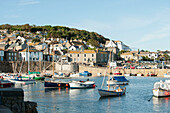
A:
x: 36, y: 40
x: 93, y: 42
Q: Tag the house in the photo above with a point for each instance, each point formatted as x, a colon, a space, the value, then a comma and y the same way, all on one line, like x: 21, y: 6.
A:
x: 122, y: 46
x: 34, y: 55
x: 88, y: 56
x: 11, y: 55
x: 4, y: 46
x: 153, y: 55
x: 110, y: 44
x: 40, y: 46
x: 21, y: 38
x: 133, y: 55
x: 1, y: 55
x: 76, y: 48
x: 4, y: 31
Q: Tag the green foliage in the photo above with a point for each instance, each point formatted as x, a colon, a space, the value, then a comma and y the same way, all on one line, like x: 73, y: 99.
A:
x: 93, y: 42
x: 36, y: 40
x: 91, y: 48
x: 59, y: 32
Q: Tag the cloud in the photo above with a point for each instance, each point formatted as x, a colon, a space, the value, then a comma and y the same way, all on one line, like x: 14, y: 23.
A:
x: 28, y: 2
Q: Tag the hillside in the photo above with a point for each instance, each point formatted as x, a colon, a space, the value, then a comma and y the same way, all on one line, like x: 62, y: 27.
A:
x: 92, y: 38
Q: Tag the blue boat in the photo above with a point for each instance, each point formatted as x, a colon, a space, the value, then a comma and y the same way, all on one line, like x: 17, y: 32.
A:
x: 85, y: 74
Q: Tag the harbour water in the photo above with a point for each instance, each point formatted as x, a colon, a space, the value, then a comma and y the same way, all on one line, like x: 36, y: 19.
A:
x: 139, y: 91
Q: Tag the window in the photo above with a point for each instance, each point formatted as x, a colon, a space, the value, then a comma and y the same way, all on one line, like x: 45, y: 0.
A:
x: 12, y: 54
x: 77, y: 55
x: 15, y: 58
x: 15, y: 54
x: 84, y: 59
x: 84, y: 55
x: 2, y: 59
x: 92, y: 55
x: 9, y: 58
x: 70, y: 55
x: 74, y: 59
x: 9, y: 54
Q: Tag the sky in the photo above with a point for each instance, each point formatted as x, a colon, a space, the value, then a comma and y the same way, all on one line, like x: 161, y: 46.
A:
x: 140, y: 24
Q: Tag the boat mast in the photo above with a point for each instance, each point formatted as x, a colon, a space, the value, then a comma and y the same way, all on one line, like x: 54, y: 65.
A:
x: 53, y: 59
x: 109, y: 72
x: 28, y: 59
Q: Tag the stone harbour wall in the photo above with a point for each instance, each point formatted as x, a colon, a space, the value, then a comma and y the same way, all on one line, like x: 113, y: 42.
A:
x: 13, y: 98
x: 103, y: 70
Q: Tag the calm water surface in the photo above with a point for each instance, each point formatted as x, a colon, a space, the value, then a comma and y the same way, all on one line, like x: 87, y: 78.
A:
x: 139, y: 91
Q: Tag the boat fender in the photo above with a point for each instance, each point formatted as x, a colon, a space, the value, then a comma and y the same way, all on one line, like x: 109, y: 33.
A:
x: 66, y: 85
x: 59, y: 84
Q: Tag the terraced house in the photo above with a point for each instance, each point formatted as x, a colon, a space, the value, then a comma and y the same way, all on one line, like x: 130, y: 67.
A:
x: 89, y: 56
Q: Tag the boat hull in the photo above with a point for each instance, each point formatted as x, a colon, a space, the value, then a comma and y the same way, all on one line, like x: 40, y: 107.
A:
x: 167, y: 76
x: 117, y: 83
x: 54, y: 84
x: 161, y: 93
x: 35, y: 78
x: 104, y: 93
x: 22, y: 81
x: 79, y: 85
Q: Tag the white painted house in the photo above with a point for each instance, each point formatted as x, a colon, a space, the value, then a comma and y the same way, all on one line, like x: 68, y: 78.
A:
x: 153, y: 55
x: 34, y: 55
x: 122, y: 46
x: 111, y: 44
x: 76, y: 48
x: 21, y: 38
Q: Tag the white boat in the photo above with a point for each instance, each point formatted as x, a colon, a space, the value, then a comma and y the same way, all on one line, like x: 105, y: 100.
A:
x: 99, y: 74
x: 167, y: 75
x: 161, y: 89
x: 82, y: 84
x: 111, y: 91
x: 139, y: 74
x: 118, y: 80
x: 127, y: 74
x: 20, y: 80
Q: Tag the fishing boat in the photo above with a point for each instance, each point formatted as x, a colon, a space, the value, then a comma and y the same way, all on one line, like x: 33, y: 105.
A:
x: 34, y: 76
x: 20, y: 80
x: 161, y: 89
x: 139, y: 74
x: 117, y: 73
x: 56, y: 84
x: 167, y: 75
x: 118, y: 80
x: 53, y: 83
x: 150, y: 74
x: 110, y: 90
x: 5, y: 84
x: 82, y: 84
x: 115, y: 91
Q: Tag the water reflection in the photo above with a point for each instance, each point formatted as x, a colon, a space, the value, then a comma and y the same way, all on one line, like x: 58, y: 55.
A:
x: 158, y: 103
